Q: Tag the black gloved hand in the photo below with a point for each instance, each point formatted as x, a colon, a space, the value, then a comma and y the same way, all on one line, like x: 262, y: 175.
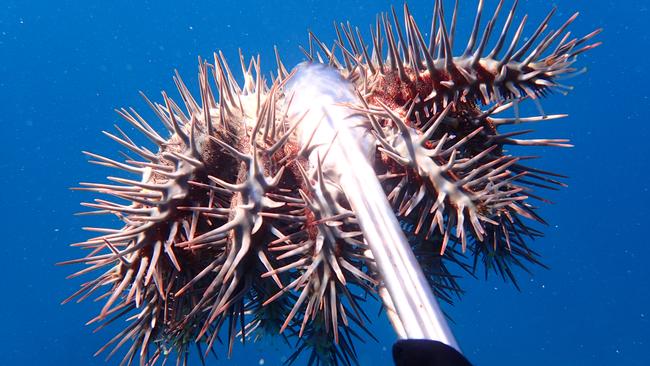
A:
x: 425, y: 352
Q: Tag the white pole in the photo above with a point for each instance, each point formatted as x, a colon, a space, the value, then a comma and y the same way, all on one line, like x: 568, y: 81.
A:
x: 319, y: 91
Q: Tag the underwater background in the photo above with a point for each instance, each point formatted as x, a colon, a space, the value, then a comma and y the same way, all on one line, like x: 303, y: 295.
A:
x: 65, y: 65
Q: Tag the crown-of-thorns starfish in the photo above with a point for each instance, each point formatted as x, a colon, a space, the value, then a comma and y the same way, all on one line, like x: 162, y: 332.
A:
x: 226, y: 227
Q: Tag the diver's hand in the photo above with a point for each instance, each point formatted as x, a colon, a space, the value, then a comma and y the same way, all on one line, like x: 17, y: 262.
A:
x: 425, y: 352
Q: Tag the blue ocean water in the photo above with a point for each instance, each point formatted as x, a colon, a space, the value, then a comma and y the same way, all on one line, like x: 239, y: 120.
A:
x: 65, y: 65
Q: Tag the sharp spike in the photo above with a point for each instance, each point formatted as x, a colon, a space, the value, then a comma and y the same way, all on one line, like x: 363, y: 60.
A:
x: 504, y: 31
x: 454, y: 19
x: 486, y: 34
x: 474, y: 35
x: 366, y: 56
x: 449, y: 58
x: 434, y: 28
x: 509, y: 53
x: 400, y: 36
x: 542, y: 26
x: 427, y: 56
